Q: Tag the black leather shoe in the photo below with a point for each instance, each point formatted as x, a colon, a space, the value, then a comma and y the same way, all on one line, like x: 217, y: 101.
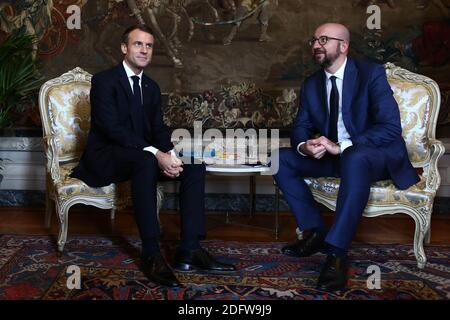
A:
x: 199, y: 260
x: 305, y: 247
x: 333, y: 275
x: 157, y: 270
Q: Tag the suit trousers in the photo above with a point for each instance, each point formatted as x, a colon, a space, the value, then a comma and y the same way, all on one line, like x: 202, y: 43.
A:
x: 143, y: 170
x: 357, y: 167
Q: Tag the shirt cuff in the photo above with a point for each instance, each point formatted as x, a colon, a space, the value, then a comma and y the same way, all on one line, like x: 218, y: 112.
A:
x: 298, y: 149
x: 151, y: 149
x: 344, y: 144
x: 154, y: 151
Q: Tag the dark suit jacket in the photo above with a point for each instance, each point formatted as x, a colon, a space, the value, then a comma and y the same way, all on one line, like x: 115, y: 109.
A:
x: 113, y: 121
x: 369, y: 111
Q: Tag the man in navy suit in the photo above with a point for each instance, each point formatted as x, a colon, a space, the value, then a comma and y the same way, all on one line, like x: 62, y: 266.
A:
x: 128, y: 140
x: 347, y: 126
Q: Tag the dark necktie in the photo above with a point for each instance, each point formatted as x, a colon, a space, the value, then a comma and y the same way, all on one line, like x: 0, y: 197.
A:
x: 334, y: 111
x: 138, y: 109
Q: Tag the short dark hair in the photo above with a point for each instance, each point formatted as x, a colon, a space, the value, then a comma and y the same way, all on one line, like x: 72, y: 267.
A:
x: 141, y: 27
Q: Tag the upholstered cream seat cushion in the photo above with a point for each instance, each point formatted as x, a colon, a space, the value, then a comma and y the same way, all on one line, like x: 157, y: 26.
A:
x: 69, y: 186
x: 119, y: 193
x: 382, y: 193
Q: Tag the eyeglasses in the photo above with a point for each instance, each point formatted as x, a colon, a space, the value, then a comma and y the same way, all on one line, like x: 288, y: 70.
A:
x: 322, y: 40
x: 140, y: 45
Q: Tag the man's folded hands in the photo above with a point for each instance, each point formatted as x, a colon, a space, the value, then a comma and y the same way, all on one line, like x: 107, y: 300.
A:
x: 318, y: 147
x: 169, y: 164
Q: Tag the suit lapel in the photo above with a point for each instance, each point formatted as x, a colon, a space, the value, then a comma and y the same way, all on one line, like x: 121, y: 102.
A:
x: 125, y: 83
x: 146, y: 94
x: 146, y: 101
x: 348, y: 91
x: 323, y: 102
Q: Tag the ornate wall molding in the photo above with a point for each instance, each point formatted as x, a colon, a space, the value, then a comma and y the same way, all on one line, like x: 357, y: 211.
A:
x: 33, y: 144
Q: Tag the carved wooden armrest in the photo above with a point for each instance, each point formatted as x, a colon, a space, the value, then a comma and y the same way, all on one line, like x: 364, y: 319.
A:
x: 432, y: 173
x: 51, y: 150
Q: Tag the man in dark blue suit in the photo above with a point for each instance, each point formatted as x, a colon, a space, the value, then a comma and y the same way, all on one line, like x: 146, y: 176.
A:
x: 128, y: 140
x: 348, y: 126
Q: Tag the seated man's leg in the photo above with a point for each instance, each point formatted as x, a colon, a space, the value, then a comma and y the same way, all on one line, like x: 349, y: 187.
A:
x: 359, y: 167
x: 192, y: 205
x: 293, y: 167
x: 142, y: 168
x: 190, y: 255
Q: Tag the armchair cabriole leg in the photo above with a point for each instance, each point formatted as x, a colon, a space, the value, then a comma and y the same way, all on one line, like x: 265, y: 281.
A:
x: 63, y: 215
x: 48, y: 210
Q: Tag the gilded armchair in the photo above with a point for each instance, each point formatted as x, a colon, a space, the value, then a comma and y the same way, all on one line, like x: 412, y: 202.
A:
x: 65, y: 112
x: 419, y: 101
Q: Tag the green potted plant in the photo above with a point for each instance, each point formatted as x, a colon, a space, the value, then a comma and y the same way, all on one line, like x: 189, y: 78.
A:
x: 20, y: 78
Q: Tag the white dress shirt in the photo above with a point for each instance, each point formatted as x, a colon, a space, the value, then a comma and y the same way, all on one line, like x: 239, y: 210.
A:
x: 130, y: 74
x: 343, y: 135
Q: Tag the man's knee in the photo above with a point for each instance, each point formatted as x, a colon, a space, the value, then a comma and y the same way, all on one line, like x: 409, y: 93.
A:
x: 355, y: 157
x: 285, y: 154
x: 286, y: 159
x: 357, y: 165
x: 197, y: 170
x: 146, y: 161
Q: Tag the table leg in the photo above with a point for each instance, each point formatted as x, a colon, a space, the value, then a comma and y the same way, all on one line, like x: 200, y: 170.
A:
x: 252, y: 196
x: 277, y: 200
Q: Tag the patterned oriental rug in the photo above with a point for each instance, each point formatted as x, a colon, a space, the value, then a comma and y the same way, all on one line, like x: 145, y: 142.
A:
x: 30, y: 269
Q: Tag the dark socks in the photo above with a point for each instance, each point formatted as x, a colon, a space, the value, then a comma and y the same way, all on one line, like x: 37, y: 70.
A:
x: 189, y: 244
x: 321, y: 230
x: 150, y: 246
x: 331, y: 250
x: 338, y: 252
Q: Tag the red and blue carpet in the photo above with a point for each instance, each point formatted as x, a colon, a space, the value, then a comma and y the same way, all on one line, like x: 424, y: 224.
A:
x: 30, y: 269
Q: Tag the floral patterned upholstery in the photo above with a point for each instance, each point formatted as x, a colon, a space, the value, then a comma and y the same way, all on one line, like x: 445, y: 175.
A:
x: 65, y: 112
x: 415, y: 103
x: 418, y: 98
x: 68, y: 186
x: 381, y: 193
x: 70, y: 123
